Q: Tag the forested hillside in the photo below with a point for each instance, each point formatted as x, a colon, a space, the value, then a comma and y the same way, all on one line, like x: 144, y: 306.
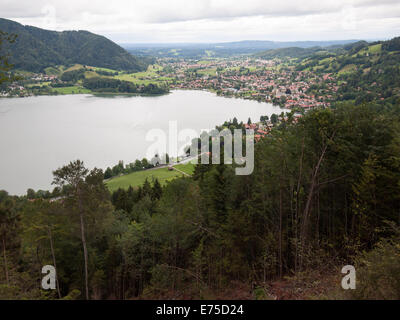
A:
x: 295, y: 52
x: 36, y: 49
x: 323, y: 191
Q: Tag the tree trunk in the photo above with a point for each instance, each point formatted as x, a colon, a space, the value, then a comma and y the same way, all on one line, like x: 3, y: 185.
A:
x: 54, y: 262
x: 83, y: 238
x: 307, y: 209
x: 296, y: 219
x: 85, y: 256
x: 5, y: 261
x: 311, y: 194
x: 280, y: 232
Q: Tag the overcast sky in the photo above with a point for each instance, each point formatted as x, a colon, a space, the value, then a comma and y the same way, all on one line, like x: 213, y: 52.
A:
x: 132, y: 21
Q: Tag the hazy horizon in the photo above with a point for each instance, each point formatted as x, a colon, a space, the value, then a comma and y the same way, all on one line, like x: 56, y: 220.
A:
x: 245, y: 40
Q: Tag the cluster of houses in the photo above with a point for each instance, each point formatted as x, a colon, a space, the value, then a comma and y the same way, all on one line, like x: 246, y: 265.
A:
x: 14, y: 89
x: 18, y: 89
x: 262, y: 129
x: 43, y: 77
x: 256, y: 79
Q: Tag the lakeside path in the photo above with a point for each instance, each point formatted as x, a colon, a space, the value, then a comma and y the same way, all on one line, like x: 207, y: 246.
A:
x: 184, y: 173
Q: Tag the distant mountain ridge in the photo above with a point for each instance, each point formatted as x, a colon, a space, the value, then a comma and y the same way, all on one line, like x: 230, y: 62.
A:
x: 292, y: 52
x: 36, y: 49
x: 304, y: 52
x: 222, y: 49
x: 257, y: 44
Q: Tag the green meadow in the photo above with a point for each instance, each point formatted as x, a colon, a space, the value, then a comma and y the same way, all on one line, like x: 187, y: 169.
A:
x: 136, y: 179
x: 71, y: 90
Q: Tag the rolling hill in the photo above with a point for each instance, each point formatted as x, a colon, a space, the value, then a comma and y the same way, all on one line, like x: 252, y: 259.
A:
x: 366, y: 71
x: 36, y: 49
x: 292, y: 52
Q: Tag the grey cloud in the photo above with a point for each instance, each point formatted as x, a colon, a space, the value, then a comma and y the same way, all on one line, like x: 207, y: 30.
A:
x: 182, y: 10
x: 209, y: 19
x: 215, y: 10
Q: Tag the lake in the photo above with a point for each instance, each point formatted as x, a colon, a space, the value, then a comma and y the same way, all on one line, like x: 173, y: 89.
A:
x: 41, y: 134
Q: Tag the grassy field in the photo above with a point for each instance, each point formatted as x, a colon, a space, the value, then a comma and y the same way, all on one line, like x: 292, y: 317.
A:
x: 145, y: 77
x: 101, y: 69
x: 377, y: 48
x: 140, y: 78
x: 71, y: 90
x: 138, y: 178
x: 41, y: 84
x: 187, y: 168
x: 52, y: 71
x: 74, y: 67
x: 348, y: 69
x: 90, y: 74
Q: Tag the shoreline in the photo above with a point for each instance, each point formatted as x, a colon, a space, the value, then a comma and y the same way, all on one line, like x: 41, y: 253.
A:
x: 124, y: 94
x: 89, y: 93
x: 110, y: 94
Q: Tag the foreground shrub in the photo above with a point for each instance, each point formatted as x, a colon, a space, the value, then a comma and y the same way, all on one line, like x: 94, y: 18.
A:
x: 378, y: 274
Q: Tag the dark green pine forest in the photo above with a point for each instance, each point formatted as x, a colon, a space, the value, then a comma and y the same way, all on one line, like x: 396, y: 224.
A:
x: 36, y: 49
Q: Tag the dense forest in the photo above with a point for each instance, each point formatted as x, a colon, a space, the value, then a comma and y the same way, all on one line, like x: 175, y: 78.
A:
x: 324, y: 193
x: 36, y: 49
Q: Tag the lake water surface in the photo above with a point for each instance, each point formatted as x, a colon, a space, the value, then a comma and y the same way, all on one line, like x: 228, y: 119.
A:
x: 40, y: 134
